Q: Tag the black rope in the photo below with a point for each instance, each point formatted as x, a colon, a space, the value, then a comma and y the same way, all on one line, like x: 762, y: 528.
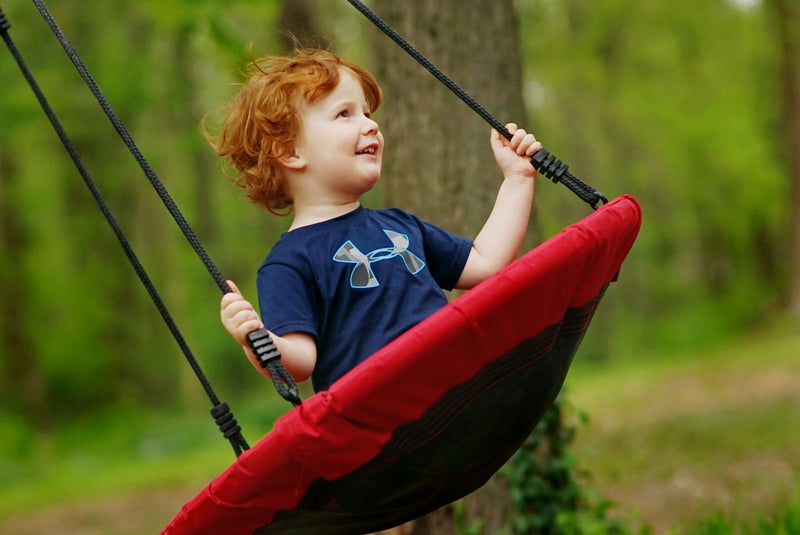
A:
x: 543, y: 160
x: 231, y: 431
x: 289, y: 389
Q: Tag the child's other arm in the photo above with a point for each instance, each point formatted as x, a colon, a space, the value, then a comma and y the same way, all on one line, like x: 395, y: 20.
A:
x: 298, y: 350
x: 498, y: 242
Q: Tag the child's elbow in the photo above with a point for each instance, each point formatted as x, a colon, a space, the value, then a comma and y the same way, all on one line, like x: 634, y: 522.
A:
x: 299, y: 355
x: 476, y: 272
x: 300, y: 371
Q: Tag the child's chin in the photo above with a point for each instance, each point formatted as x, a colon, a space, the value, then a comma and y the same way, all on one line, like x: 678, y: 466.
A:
x: 369, y: 185
x: 371, y: 180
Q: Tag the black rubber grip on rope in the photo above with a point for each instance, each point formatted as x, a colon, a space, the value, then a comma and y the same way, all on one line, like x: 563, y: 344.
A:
x: 269, y: 358
x: 557, y: 171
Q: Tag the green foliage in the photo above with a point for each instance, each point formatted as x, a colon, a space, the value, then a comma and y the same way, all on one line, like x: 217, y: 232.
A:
x: 660, y: 101
x: 83, y: 332
x: 550, y: 495
x: 464, y: 526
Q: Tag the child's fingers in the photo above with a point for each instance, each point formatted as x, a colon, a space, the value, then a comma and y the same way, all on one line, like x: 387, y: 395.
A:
x: 235, y: 313
x: 524, y: 144
x: 233, y: 302
x: 496, y: 138
x: 528, y: 146
x: 521, y: 141
x: 232, y: 286
x: 240, y: 318
x: 499, y: 140
x: 238, y: 315
x: 518, y: 135
x: 230, y: 299
x: 234, y: 307
x: 249, y: 326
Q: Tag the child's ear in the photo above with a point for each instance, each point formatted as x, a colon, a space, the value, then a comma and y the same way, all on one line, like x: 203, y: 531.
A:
x: 289, y: 158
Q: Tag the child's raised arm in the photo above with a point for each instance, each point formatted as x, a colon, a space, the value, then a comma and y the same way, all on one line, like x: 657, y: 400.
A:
x: 298, y: 350
x: 498, y: 242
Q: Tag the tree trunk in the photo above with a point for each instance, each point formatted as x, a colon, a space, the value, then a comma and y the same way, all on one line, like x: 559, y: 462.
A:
x: 21, y: 378
x: 787, y: 16
x: 298, y: 24
x: 438, y: 163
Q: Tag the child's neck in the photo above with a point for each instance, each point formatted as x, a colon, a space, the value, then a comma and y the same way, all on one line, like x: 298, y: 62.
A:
x: 311, y: 214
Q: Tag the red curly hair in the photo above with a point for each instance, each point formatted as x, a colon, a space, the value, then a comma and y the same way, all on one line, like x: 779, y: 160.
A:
x: 263, y: 123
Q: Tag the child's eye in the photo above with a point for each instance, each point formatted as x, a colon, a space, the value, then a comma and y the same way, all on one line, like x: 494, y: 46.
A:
x: 343, y: 113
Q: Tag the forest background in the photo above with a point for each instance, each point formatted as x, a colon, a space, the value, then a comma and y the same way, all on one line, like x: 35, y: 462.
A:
x: 690, y: 106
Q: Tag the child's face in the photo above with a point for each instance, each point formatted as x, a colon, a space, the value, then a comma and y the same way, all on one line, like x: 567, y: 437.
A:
x: 340, y: 144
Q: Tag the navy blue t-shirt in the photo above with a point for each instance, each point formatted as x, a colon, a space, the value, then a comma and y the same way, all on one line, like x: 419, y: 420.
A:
x: 356, y: 282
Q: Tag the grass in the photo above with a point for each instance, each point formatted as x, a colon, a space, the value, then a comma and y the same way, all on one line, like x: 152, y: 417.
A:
x: 116, y: 452
x: 787, y: 522
x: 693, y: 444
x: 83, y: 478
x: 677, y: 438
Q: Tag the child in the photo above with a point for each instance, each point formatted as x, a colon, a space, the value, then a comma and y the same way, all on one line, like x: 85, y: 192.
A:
x: 345, y: 280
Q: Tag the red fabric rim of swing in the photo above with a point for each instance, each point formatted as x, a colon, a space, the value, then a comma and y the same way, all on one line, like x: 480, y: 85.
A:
x: 337, y: 431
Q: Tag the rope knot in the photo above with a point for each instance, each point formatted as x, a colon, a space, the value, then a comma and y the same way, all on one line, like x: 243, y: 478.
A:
x: 4, y: 24
x: 225, y: 421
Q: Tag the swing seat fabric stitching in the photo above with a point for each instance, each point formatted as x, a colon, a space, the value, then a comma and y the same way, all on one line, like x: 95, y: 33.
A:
x: 430, y: 417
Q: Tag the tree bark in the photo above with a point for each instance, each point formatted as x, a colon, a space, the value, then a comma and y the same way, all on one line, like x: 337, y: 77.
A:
x: 438, y: 163
x: 787, y: 16
x: 298, y: 23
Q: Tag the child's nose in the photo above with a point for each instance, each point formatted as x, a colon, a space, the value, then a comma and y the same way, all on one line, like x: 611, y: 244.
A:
x: 370, y: 126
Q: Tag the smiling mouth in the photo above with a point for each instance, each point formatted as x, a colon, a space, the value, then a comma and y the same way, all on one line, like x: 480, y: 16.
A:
x: 372, y: 149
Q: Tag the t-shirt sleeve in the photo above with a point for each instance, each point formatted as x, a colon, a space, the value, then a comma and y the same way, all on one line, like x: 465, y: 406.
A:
x: 446, y: 253
x: 287, y: 300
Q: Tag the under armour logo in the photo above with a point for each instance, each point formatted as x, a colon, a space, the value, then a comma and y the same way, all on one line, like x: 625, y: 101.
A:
x: 362, y: 275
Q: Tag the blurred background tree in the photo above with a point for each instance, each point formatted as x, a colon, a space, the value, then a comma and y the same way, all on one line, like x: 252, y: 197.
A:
x: 786, y: 17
